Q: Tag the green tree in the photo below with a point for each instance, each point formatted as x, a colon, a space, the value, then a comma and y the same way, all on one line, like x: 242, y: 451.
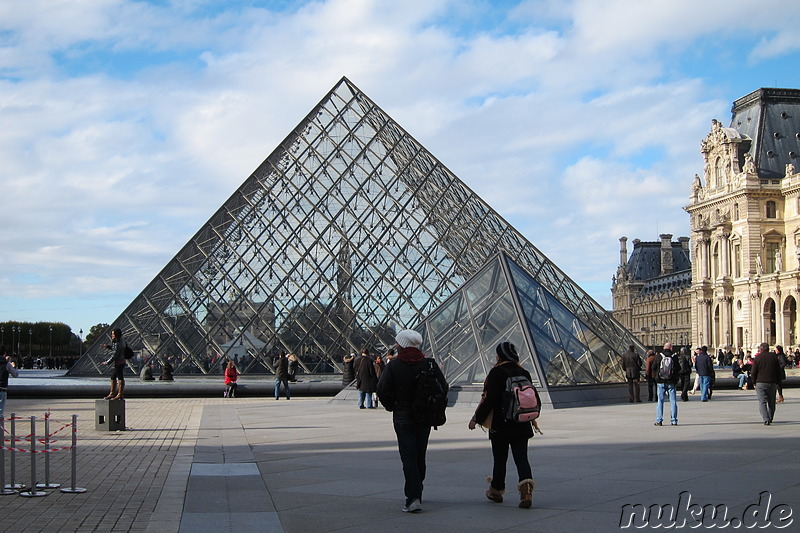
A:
x: 95, y: 332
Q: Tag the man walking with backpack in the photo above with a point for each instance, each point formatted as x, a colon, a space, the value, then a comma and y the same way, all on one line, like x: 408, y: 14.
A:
x: 667, y: 369
x: 397, y: 392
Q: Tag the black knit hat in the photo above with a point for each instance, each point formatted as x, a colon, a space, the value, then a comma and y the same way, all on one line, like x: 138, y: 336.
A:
x: 507, y: 352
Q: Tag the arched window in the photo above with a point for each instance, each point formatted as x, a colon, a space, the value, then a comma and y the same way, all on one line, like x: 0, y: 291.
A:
x: 771, y: 210
x: 720, y: 178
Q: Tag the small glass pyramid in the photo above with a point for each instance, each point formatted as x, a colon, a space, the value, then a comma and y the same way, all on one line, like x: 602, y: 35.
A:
x: 503, y: 302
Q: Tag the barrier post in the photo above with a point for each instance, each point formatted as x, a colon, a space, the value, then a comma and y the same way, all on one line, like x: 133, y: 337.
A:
x: 3, y: 490
x: 72, y: 488
x: 47, y: 484
x: 12, y: 464
x: 32, y: 492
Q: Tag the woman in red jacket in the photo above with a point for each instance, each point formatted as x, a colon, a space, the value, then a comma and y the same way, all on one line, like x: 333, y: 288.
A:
x: 231, y: 375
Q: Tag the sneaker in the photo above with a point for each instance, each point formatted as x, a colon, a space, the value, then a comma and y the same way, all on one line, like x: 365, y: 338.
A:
x: 657, y: 424
x: 414, y: 507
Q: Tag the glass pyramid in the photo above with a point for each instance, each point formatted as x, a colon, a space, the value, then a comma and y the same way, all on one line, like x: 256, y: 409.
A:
x: 503, y: 302
x: 347, y: 232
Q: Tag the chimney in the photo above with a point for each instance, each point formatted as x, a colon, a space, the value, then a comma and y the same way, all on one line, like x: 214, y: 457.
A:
x: 667, y: 265
x: 623, y: 251
x: 685, y: 244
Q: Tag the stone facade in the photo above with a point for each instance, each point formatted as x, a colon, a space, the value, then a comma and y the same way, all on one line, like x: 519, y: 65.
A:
x: 745, y: 224
x: 652, y: 291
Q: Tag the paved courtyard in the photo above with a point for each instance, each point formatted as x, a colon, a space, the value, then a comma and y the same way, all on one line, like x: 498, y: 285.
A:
x: 316, y: 465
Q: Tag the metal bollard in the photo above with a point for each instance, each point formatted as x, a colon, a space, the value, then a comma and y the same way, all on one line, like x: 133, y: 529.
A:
x: 12, y: 466
x: 73, y: 489
x: 3, y: 490
x: 47, y: 484
x: 32, y: 492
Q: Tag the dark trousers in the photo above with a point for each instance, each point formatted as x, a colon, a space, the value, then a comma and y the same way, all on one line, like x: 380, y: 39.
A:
x: 766, y: 400
x: 651, y: 389
x: 633, y: 389
x: 412, y: 442
x: 685, y: 384
x: 519, y: 450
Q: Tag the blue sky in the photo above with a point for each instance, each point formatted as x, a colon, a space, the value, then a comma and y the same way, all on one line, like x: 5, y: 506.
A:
x: 126, y: 124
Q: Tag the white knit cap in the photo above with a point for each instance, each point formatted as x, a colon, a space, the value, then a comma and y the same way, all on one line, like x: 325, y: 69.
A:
x: 408, y: 338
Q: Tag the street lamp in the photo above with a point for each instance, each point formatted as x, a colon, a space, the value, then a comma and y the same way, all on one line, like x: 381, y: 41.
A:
x: 3, y: 335
x: 15, y: 329
x: 30, y: 341
x: 653, y: 335
x: 80, y: 350
x: 51, y: 341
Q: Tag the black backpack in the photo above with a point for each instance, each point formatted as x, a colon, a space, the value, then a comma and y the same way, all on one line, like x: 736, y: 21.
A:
x: 666, y: 368
x: 128, y: 352
x: 430, y: 398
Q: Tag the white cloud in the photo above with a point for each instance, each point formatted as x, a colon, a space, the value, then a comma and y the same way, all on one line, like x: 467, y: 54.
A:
x: 574, y: 119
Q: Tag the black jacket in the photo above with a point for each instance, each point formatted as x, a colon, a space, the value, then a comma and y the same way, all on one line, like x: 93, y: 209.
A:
x: 282, y: 368
x: 492, y: 402
x: 365, y: 374
x: 632, y: 364
x: 767, y: 369
x: 398, y: 383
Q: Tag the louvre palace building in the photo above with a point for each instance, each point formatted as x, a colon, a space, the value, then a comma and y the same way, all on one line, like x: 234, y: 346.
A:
x: 742, y: 284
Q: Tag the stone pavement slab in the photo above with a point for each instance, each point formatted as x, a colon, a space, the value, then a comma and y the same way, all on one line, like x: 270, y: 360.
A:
x: 315, y: 465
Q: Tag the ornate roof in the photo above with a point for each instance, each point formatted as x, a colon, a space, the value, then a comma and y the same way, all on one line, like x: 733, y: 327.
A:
x: 771, y: 118
x: 645, y: 261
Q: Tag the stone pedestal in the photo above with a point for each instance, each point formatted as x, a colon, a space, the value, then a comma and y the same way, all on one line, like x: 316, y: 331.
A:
x: 109, y: 415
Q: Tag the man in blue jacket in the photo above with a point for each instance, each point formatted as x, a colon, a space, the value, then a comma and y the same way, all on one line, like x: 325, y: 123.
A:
x: 705, y: 369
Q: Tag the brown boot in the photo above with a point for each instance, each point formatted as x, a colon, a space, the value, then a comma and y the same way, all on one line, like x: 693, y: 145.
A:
x: 494, y: 494
x: 526, y: 493
x: 119, y: 395
x: 113, y: 390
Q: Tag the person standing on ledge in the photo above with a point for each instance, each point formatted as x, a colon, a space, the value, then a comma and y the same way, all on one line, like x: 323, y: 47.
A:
x: 117, y: 357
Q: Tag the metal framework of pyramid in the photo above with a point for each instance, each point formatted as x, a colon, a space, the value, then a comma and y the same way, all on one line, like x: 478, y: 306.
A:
x: 347, y: 232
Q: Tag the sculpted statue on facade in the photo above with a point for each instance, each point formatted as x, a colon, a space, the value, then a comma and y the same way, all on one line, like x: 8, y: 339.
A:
x: 749, y: 165
x: 778, y: 261
x: 759, y: 265
x: 697, y: 189
x: 790, y: 170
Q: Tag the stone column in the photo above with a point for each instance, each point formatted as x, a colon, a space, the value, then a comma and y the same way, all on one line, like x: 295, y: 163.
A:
x: 725, y: 244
